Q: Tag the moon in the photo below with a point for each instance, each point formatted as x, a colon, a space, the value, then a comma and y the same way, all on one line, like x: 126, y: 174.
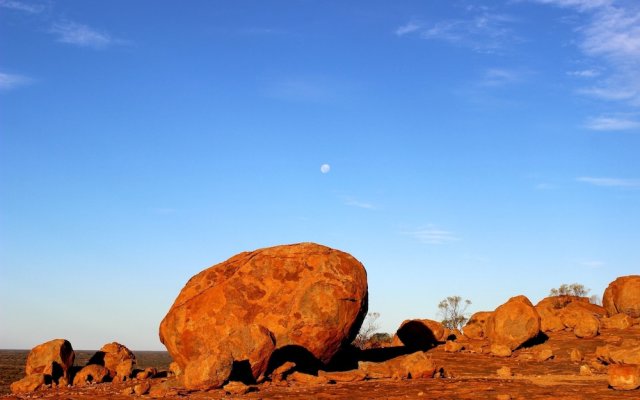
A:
x: 325, y: 168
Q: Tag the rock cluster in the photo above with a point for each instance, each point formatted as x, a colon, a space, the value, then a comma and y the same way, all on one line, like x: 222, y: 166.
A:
x: 50, y: 364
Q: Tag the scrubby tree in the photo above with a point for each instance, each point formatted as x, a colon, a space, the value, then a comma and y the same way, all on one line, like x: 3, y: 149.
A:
x: 453, y: 312
x: 368, y: 329
x: 575, y: 289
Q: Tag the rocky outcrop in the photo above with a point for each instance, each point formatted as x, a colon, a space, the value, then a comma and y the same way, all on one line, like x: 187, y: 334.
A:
x: 53, y: 358
x: 623, y: 296
x: 293, y: 299
x: 513, y: 323
x: 421, y: 334
x: 117, y: 359
x: 476, y: 326
x: 573, y: 312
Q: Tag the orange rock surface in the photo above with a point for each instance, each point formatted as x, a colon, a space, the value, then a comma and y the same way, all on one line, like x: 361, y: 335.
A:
x: 53, y: 358
x: 513, y: 323
x: 623, y: 296
x: 303, y: 298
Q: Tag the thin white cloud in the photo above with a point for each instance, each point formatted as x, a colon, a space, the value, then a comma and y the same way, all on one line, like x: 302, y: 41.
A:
x: 500, y: 77
x: 610, y: 182
x: 11, y: 81
x: 408, y: 28
x: 433, y: 235
x: 612, y: 124
x: 350, y: 201
x: 579, y: 4
x: 585, y: 73
x: 483, y: 32
x: 610, y: 34
x: 21, y: 6
x: 82, y: 35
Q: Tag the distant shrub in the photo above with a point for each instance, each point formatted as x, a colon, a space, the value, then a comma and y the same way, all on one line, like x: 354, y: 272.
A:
x: 368, y: 329
x: 453, y: 312
x: 574, y: 289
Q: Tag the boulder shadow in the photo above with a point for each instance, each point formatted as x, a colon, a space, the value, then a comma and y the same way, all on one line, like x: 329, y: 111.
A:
x: 540, y: 338
x: 305, y: 361
x: 417, y: 336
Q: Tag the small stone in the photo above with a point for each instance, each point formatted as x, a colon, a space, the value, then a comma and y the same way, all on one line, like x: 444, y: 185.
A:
x: 585, y: 370
x: 281, y: 372
x: 299, y: 377
x: 343, y: 376
x: 452, y: 347
x: 576, y: 355
x: 503, y: 397
x: 237, y: 388
x: 142, y: 388
x: 500, y: 350
x: 127, y: 391
x: 504, y: 372
x: 543, y: 352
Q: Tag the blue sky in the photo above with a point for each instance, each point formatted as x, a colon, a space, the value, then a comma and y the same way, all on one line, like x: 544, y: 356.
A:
x: 485, y: 149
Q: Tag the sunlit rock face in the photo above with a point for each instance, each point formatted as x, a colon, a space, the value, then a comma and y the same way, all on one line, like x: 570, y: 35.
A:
x: 305, y: 299
x: 623, y: 296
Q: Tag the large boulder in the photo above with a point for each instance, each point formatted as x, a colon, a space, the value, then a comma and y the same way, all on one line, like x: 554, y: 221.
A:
x: 476, y: 326
x: 513, y: 323
x: 53, y: 358
x: 623, y: 296
x: 298, y: 300
x: 421, y: 334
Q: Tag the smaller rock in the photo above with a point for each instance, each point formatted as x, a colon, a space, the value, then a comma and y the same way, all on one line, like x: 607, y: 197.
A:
x: 543, y: 352
x: 624, y: 376
x: 174, y: 369
x: 92, y: 373
x: 307, y: 379
x: 63, y: 382
x: 500, y: 350
x: 585, y: 370
x: 147, y: 373
x: 164, y: 389
x: 452, y: 347
x: 343, y: 376
x: 504, y: 372
x: 587, y: 327
x: 236, y: 388
x: 280, y: 373
x: 503, y: 397
x: 28, y: 384
x: 576, y: 355
x: 142, y: 388
x: 617, y: 321
x: 128, y: 391
x: 124, y: 370
x: 475, y: 346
